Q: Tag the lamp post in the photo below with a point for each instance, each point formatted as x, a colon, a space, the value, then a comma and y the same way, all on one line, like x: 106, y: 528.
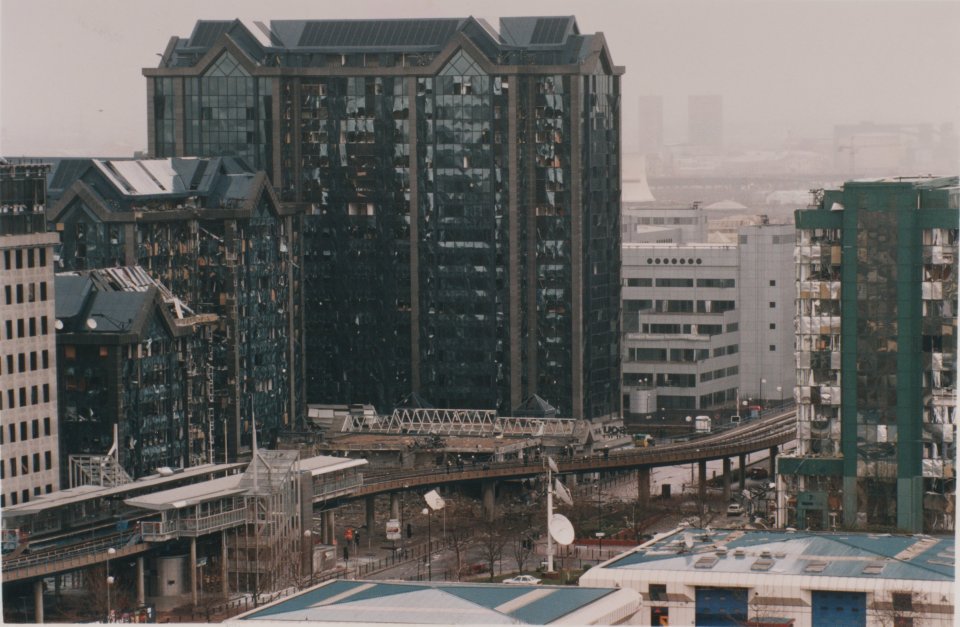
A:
x: 307, y: 553
x: 426, y: 512
x: 600, y: 536
x: 110, y: 552
x: 780, y: 395
x: 760, y: 400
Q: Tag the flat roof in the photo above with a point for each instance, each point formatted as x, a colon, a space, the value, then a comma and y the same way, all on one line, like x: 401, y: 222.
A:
x: 188, y: 495
x: 322, y: 464
x: 214, y: 489
x: 798, y: 553
x: 341, y: 601
x: 79, y: 494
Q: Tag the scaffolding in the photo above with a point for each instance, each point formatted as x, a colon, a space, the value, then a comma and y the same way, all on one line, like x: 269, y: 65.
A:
x: 261, y: 551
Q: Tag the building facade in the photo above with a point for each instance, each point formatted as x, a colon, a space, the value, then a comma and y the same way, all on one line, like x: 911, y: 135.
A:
x: 134, y: 377
x: 651, y: 221
x: 461, y: 186
x: 766, y: 295
x: 681, y: 325
x: 28, y: 374
x: 876, y: 358
x: 215, y: 234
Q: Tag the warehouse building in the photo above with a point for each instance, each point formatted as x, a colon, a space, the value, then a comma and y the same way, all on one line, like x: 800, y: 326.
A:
x: 802, y: 579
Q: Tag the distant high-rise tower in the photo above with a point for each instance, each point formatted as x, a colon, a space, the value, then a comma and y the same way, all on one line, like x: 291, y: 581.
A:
x: 462, y: 195
x: 28, y: 374
x: 705, y: 120
x: 651, y: 124
x: 876, y: 342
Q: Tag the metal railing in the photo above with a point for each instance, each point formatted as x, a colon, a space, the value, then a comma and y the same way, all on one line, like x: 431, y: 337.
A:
x: 192, y: 527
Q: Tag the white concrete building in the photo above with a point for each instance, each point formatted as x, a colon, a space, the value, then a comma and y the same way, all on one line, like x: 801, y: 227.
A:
x: 704, y: 323
x: 680, y: 324
x: 766, y: 294
x: 28, y: 375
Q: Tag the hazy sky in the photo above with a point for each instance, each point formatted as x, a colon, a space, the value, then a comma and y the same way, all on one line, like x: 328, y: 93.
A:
x: 71, y: 83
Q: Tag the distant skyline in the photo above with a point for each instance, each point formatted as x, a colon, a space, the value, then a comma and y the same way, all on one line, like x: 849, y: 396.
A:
x: 71, y: 82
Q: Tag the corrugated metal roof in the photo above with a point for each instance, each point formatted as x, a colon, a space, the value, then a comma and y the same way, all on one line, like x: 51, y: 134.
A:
x: 550, y: 30
x: 188, y: 495
x: 830, y: 554
x: 429, y: 33
x: 69, y: 496
x: 438, y: 603
x: 322, y: 464
x: 207, y: 31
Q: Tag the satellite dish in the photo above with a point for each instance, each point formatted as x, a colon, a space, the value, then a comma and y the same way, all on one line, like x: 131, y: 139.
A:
x: 58, y: 325
x: 561, y: 530
x: 434, y: 500
x: 91, y: 323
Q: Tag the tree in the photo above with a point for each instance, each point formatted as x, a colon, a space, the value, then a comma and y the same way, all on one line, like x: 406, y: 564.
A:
x: 462, y: 517
x: 492, y: 540
x: 523, y: 543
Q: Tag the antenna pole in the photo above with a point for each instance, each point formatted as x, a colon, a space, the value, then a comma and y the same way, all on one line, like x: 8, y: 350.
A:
x: 549, y: 516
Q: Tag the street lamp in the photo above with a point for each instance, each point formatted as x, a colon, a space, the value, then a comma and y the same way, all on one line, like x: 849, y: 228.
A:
x: 426, y: 512
x: 307, y: 553
x: 600, y: 536
x: 760, y: 400
x: 780, y: 395
x: 110, y: 552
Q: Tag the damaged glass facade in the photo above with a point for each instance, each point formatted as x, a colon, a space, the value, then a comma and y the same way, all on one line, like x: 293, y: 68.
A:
x: 222, y: 243
x: 131, y: 359
x: 461, y: 196
x: 877, y: 363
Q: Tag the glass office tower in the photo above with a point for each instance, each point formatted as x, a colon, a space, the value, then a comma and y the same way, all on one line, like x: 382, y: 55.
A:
x: 876, y: 358
x: 461, y: 187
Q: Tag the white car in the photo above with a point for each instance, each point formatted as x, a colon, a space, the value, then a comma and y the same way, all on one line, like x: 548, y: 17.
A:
x: 523, y: 579
x: 734, y: 509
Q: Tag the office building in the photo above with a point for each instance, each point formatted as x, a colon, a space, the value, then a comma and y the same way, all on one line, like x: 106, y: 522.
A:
x: 766, y: 295
x: 215, y: 234
x: 705, y: 323
x: 705, y: 120
x: 28, y: 376
x: 681, y: 325
x: 461, y: 186
x: 134, y: 377
x: 876, y: 358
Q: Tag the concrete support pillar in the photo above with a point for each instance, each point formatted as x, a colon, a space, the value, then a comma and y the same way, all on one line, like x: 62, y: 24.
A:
x: 371, y: 507
x: 726, y: 478
x: 224, y: 581
x: 193, y: 570
x: 773, y: 461
x: 330, y: 526
x: 702, y: 479
x: 489, y: 499
x: 643, y: 485
x: 571, y: 479
x: 141, y: 591
x: 743, y: 471
x: 38, y: 600
x: 395, y: 505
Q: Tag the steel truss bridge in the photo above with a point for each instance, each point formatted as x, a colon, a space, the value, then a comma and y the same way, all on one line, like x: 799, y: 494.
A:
x: 750, y: 437
x: 459, y: 422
